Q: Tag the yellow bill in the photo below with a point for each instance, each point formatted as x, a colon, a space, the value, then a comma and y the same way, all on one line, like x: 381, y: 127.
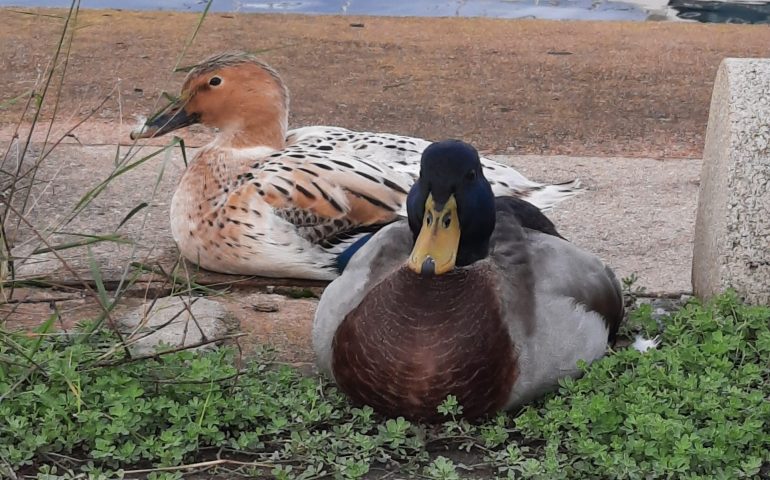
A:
x: 435, y: 250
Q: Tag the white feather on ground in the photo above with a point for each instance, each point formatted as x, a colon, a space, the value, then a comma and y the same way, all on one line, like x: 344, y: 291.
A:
x: 642, y: 344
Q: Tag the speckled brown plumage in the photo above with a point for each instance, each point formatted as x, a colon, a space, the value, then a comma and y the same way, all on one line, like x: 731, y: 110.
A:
x: 412, y: 341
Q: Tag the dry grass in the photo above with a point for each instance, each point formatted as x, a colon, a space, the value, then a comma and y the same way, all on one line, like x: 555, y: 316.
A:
x: 27, y: 237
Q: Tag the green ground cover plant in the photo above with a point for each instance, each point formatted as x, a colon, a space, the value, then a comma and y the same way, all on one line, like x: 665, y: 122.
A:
x: 73, y: 406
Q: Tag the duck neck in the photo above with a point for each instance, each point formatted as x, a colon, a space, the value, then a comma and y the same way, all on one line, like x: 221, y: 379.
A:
x: 262, y: 128
x: 469, y: 253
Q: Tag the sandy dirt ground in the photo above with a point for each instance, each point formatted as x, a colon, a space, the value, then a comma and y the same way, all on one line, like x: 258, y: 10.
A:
x: 510, y: 87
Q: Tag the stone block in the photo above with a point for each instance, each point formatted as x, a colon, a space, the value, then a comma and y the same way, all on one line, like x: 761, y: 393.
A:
x: 732, y: 228
x: 172, y: 322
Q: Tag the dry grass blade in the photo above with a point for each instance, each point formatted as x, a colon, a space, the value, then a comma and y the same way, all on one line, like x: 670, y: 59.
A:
x: 105, y: 303
x: 19, y: 349
x: 43, y: 330
x: 97, y: 276
x: 200, y: 465
x: 194, y: 34
x: 40, y: 97
x: 36, y: 14
x: 130, y: 214
x: 6, y: 265
x: 88, y: 240
x: 190, y: 286
x: 158, y: 355
x: 184, y: 152
x: 14, y: 100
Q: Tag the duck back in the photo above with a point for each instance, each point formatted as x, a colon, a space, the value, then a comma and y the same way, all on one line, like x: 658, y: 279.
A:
x: 412, y: 341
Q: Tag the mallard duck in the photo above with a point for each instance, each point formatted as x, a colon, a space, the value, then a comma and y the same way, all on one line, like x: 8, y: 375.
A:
x: 261, y: 200
x: 472, y: 295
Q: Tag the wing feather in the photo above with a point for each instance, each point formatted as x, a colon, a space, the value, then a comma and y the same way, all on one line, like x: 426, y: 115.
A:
x: 402, y: 154
x: 329, y: 194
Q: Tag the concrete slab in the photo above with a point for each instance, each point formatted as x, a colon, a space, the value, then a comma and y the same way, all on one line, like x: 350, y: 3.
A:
x: 637, y: 214
x: 62, y: 181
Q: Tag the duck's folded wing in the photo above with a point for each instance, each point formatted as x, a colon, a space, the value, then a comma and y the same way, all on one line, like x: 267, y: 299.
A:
x: 402, y: 154
x: 330, y: 198
x: 528, y: 215
x: 563, y: 269
x: 552, y: 268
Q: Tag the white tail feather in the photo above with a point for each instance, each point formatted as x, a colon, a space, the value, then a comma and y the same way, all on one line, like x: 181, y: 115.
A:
x: 550, y: 195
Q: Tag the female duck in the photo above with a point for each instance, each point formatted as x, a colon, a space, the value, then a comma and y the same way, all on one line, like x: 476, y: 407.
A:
x: 475, y: 296
x: 260, y: 200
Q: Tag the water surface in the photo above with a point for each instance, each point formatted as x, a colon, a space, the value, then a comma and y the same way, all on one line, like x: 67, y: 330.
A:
x: 708, y: 11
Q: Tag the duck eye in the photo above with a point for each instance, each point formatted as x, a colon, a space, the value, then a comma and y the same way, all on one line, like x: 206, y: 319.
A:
x: 471, y: 175
x: 446, y: 220
x: 214, y: 81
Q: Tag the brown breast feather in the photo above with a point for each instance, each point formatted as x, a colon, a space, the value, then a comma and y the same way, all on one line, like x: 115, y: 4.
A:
x: 412, y: 341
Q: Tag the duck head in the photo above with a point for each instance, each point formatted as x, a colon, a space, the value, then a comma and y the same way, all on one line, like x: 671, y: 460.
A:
x: 245, y: 99
x: 451, y: 209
